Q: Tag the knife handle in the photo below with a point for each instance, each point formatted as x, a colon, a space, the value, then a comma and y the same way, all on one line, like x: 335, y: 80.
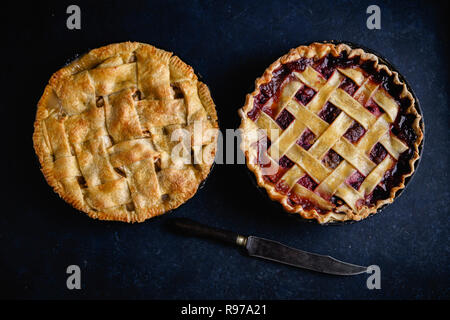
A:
x: 190, y: 227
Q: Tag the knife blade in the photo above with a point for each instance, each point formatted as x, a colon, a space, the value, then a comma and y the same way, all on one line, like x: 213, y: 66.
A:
x: 267, y: 249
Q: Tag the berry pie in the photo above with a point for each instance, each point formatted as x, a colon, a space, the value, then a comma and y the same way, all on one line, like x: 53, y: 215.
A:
x: 109, y: 124
x: 331, y: 132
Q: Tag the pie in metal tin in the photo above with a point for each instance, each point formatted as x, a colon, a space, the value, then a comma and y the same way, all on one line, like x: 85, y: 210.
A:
x: 105, y: 128
x: 331, y: 132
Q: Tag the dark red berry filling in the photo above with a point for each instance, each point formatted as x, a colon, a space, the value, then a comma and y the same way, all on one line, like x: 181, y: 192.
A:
x: 274, y: 178
x: 285, y: 162
x: 254, y: 113
x: 355, y: 180
x: 329, y: 112
x: 282, y: 187
x: 284, y: 119
x: 349, y: 86
x: 402, y: 128
x: 332, y: 159
x: 284, y: 165
x: 374, y: 108
x: 304, y: 95
x: 328, y: 64
x: 295, y: 200
x: 355, y: 132
x: 299, y: 65
x: 324, y: 67
x: 307, y: 182
x: 386, y: 81
x: 268, y: 109
x: 383, y: 189
x: 268, y: 90
x: 306, y: 140
x: 391, y: 179
x: 378, y: 153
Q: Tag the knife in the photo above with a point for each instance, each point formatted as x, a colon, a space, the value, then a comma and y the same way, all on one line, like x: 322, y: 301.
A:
x: 267, y: 249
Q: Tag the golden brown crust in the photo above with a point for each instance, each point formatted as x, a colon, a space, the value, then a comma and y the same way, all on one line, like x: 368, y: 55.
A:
x: 101, y: 162
x: 317, y: 51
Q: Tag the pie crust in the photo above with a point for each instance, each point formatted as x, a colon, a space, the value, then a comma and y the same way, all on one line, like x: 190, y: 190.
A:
x: 107, y: 127
x: 338, y: 129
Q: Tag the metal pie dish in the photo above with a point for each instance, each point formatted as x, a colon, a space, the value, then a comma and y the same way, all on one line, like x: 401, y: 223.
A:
x: 278, y: 206
x: 116, y: 55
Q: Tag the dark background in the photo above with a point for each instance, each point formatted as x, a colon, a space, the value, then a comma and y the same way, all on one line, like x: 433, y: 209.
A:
x: 229, y: 45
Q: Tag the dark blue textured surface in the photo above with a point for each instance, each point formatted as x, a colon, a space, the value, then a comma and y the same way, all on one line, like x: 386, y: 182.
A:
x: 229, y: 45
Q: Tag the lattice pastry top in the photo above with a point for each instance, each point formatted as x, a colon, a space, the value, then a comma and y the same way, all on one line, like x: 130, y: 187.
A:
x: 126, y: 132
x: 330, y: 132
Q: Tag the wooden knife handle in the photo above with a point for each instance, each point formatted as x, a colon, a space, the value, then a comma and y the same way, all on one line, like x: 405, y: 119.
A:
x: 190, y: 227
